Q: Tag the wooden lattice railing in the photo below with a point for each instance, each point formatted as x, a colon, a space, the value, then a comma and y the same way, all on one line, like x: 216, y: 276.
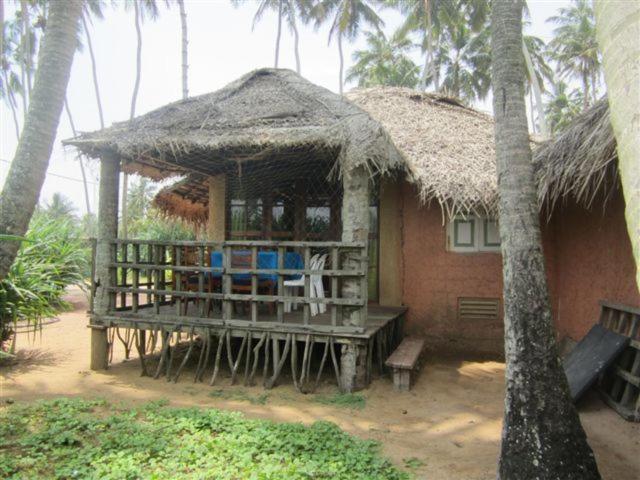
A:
x: 180, y: 280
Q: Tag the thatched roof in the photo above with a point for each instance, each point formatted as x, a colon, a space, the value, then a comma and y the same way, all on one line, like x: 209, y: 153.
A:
x: 448, y: 148
x: 445, y: 149
x: 581, y: 162
x: 266, y: 114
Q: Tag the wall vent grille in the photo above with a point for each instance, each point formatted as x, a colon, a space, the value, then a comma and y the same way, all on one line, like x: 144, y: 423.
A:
x: 478, y: 308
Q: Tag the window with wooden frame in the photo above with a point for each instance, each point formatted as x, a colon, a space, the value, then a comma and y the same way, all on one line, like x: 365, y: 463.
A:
x: 472, y: 233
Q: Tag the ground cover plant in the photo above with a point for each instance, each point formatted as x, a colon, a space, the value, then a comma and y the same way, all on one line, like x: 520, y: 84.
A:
x: 74, y: 438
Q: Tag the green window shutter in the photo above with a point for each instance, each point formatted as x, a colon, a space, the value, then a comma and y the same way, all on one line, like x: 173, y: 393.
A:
x: 464, y: 235
x: 491, y: 234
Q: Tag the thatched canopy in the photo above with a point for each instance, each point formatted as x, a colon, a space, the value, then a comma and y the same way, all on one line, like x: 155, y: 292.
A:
x: 447, y: 151
x: 444, y: 148
x: 448, y: 148
x: 581, y: 162
x: 265, y: 115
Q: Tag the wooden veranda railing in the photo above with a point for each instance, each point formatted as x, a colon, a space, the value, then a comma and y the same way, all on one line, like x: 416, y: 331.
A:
x: 203, y: 283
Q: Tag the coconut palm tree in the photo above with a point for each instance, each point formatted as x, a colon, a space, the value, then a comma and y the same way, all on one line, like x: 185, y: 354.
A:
x: 541, y: 436
x: 185, y: 43
x: 83, y: 173
x: 563, y: 105
x: 384, y: 62
x: 465, y: 58
x: 575, y: 49
x: 10, y: 82
x: 141, y: 10
x: 617, y: 27
x: 60, y: 207
x: 347, y: 17
x: 421, y: 17
x: 538, y: 70
x: 27, y: 172
x: 93, y: 8
x: 291, y: 11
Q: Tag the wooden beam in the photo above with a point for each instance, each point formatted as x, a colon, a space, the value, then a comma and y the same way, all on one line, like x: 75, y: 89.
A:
x: 217, y: 207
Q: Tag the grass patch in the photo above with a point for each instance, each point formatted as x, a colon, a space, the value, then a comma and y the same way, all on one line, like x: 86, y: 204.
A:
x: 73, y: 438
x: 354, y: 401
x: 413, y: 463
x: 240, y: 395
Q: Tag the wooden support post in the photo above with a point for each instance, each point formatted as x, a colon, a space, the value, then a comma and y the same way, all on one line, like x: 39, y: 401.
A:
x: 107, y: 231
x: 254, y: 285
x: 135, y: 280
x: 299, y: 211
x: 217, y: 208
x: 306, y: 307
x: 335, y: 260
x: 177, y: 279
x: 227, y: 305
x: 99, y: 348
x: 353, y: 367
x: 280, y: 305
x: 355, y: 227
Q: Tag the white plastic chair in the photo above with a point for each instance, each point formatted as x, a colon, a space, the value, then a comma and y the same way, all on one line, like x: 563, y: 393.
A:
x: 317, y: 287
x: 291, y: 286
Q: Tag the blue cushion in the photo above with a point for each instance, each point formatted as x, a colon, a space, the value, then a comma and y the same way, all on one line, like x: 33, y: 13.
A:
x: 266, y: 261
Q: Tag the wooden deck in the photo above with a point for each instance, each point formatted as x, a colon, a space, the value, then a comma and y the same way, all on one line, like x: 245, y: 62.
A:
x: 145, y: 318
x: 269, y: 343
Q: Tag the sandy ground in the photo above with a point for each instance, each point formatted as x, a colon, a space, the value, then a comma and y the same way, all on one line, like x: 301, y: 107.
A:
x: 450, y: 421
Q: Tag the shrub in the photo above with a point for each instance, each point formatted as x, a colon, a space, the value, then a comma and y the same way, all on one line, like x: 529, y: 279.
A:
x: 52, y: 256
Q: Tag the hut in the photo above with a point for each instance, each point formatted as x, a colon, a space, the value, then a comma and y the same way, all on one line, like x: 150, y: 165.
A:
x: 436, y: 239
x: 285, y: 172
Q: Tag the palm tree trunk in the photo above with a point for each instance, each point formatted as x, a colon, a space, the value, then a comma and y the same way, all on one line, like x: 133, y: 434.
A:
x: 94, y: 71
x: 531, y: 111
x: 541, y: 435
x: 27, y: 42
x: 279, y: 33
x: 429, y: 60
x: 23, y: 61
x: 28, y: 169
x: 617, y: 27
x: 585, y: 91
x: 535, y: 86
x: 185, y: 42
x: 296, y: 43
x: 425, y: 71
x: 132, y: 114
x: 12, y: 103
x: 436, y: 67
x: 82, y: 171
x: 456, y: 80
x: 341, y: 61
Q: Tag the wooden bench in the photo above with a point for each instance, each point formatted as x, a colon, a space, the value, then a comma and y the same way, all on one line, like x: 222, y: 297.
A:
x: 404, y: 361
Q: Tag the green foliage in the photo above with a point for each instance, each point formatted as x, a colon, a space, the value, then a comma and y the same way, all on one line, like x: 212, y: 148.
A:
x: 413, y: 463
x: 575, y: 49
x: 52, y: 257
x: 563, y: 105
x: 156, y: 226
x: 71, y: 438
x: 384, y: 62
x: 146, y: 222
x: 345, y: 400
